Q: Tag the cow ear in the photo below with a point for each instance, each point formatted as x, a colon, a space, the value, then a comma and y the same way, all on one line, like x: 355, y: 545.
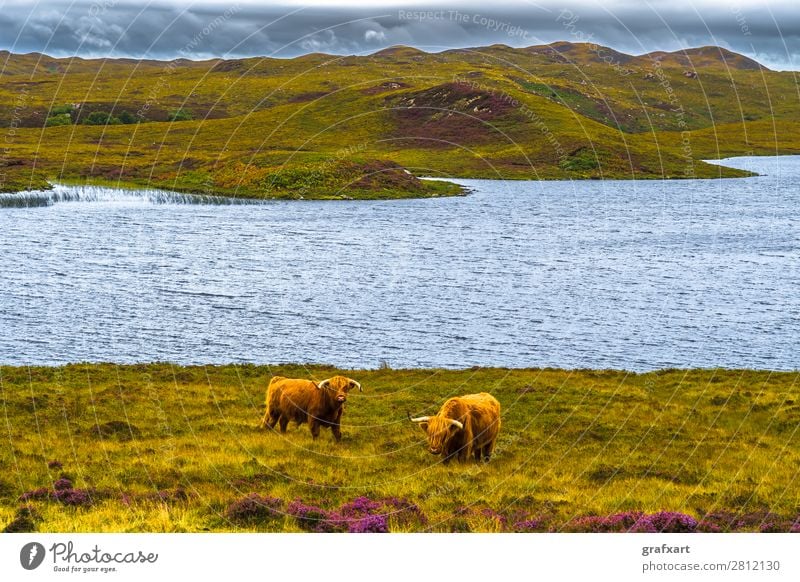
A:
x: 423, y: 426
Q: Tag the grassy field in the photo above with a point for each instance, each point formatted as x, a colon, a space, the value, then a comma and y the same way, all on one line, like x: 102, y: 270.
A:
x: 326, y: 126
x: 160, y: 447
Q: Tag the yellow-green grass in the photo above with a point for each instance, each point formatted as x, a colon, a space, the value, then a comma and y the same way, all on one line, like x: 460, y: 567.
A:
x: 256, y: 120
x: 573, y: 443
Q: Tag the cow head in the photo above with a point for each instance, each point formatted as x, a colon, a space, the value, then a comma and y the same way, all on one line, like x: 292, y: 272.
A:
x: 339, y: 386
x: 439, y: 430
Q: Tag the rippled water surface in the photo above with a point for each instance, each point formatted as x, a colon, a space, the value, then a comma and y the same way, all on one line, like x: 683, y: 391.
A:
x: 618, y: 274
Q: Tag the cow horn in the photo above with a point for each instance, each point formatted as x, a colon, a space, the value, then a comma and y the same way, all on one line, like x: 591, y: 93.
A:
x: 358, y: 385
x: 419, y: 418
x: 322, y: 384
x: 456, y: 423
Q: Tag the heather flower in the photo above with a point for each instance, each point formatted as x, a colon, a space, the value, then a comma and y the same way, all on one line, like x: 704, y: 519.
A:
x: 618, y: 522
x: 62, y: 483
x: 370, y: 524
x: 529, y: 525
x: 253, y: 508
x: 74, y: 497
x: 728, y: 521
x: 55, y: 465
x: 361, y: 515
x: 36, y: 494
x: 774, y: 527
x: 360, y: 506
x: 632, y: 521
x: 494, y: 515
x: 666, y: 522
x: 315, y: 519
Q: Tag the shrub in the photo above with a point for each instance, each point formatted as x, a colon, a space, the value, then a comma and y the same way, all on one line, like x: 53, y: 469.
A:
x: 60, y: 110
x: 62, y: 483
x: 369, y: 524
x: 100, y: 118
x: 74, y: 497
x: 253, y: 508
x: 530, y: 525
x: 179, y: 115
x: 666, y: 522
x: 127, y: 117
x: 36, y: 494
x: 314, y: 519
x: 58, y: 120
x: 635, y: 521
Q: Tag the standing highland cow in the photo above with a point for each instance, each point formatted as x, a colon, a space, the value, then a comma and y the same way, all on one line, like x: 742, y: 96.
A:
x: 305, y: 401
x: 465, y: 425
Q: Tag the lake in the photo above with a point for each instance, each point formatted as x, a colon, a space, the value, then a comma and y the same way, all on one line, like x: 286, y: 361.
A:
x: 636, y: 275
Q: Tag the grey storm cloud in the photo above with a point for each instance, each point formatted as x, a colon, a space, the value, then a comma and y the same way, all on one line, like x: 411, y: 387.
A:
x: 768, y: 30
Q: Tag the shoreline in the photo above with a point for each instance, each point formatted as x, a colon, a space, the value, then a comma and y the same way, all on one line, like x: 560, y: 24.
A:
x: 403, y: 369
x: 451, y: 186
x: 456, y: 189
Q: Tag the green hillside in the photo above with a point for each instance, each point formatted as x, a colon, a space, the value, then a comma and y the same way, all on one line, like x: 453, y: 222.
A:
x: 323, y: 126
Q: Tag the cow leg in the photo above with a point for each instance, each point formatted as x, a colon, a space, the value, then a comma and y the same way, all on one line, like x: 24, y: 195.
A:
x: 336, y: 429
x: 464, y: 453
x: 314, y: 424
x: 477, y: 453
x: 284, y: 423
x: 273, y: 419
x: 487, y: 452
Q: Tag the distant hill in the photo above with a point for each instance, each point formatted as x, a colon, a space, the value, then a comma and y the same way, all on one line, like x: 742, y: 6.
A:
x: 707, y: 56
x: 324, y: 125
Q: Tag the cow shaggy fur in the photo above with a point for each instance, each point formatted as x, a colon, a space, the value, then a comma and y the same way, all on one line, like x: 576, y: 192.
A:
x: 303, y: 401
x: 465, y: 426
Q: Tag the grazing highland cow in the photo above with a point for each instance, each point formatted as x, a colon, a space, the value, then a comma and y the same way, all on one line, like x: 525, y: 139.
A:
x: 465, y: 425
x: 305, y: 401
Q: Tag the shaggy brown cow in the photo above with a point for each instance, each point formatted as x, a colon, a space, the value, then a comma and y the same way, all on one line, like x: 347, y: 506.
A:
x: 465, y: 425
x: 305, y: 401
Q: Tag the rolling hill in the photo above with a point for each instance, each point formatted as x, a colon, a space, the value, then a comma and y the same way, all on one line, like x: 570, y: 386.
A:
x: 326, y: 126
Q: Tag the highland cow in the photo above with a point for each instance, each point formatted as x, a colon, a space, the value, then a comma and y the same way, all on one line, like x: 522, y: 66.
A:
x: 301, y: 401
x: 465, y: 426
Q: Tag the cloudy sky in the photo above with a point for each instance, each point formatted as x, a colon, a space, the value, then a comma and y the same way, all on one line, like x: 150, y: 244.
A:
x: 768, y: 30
